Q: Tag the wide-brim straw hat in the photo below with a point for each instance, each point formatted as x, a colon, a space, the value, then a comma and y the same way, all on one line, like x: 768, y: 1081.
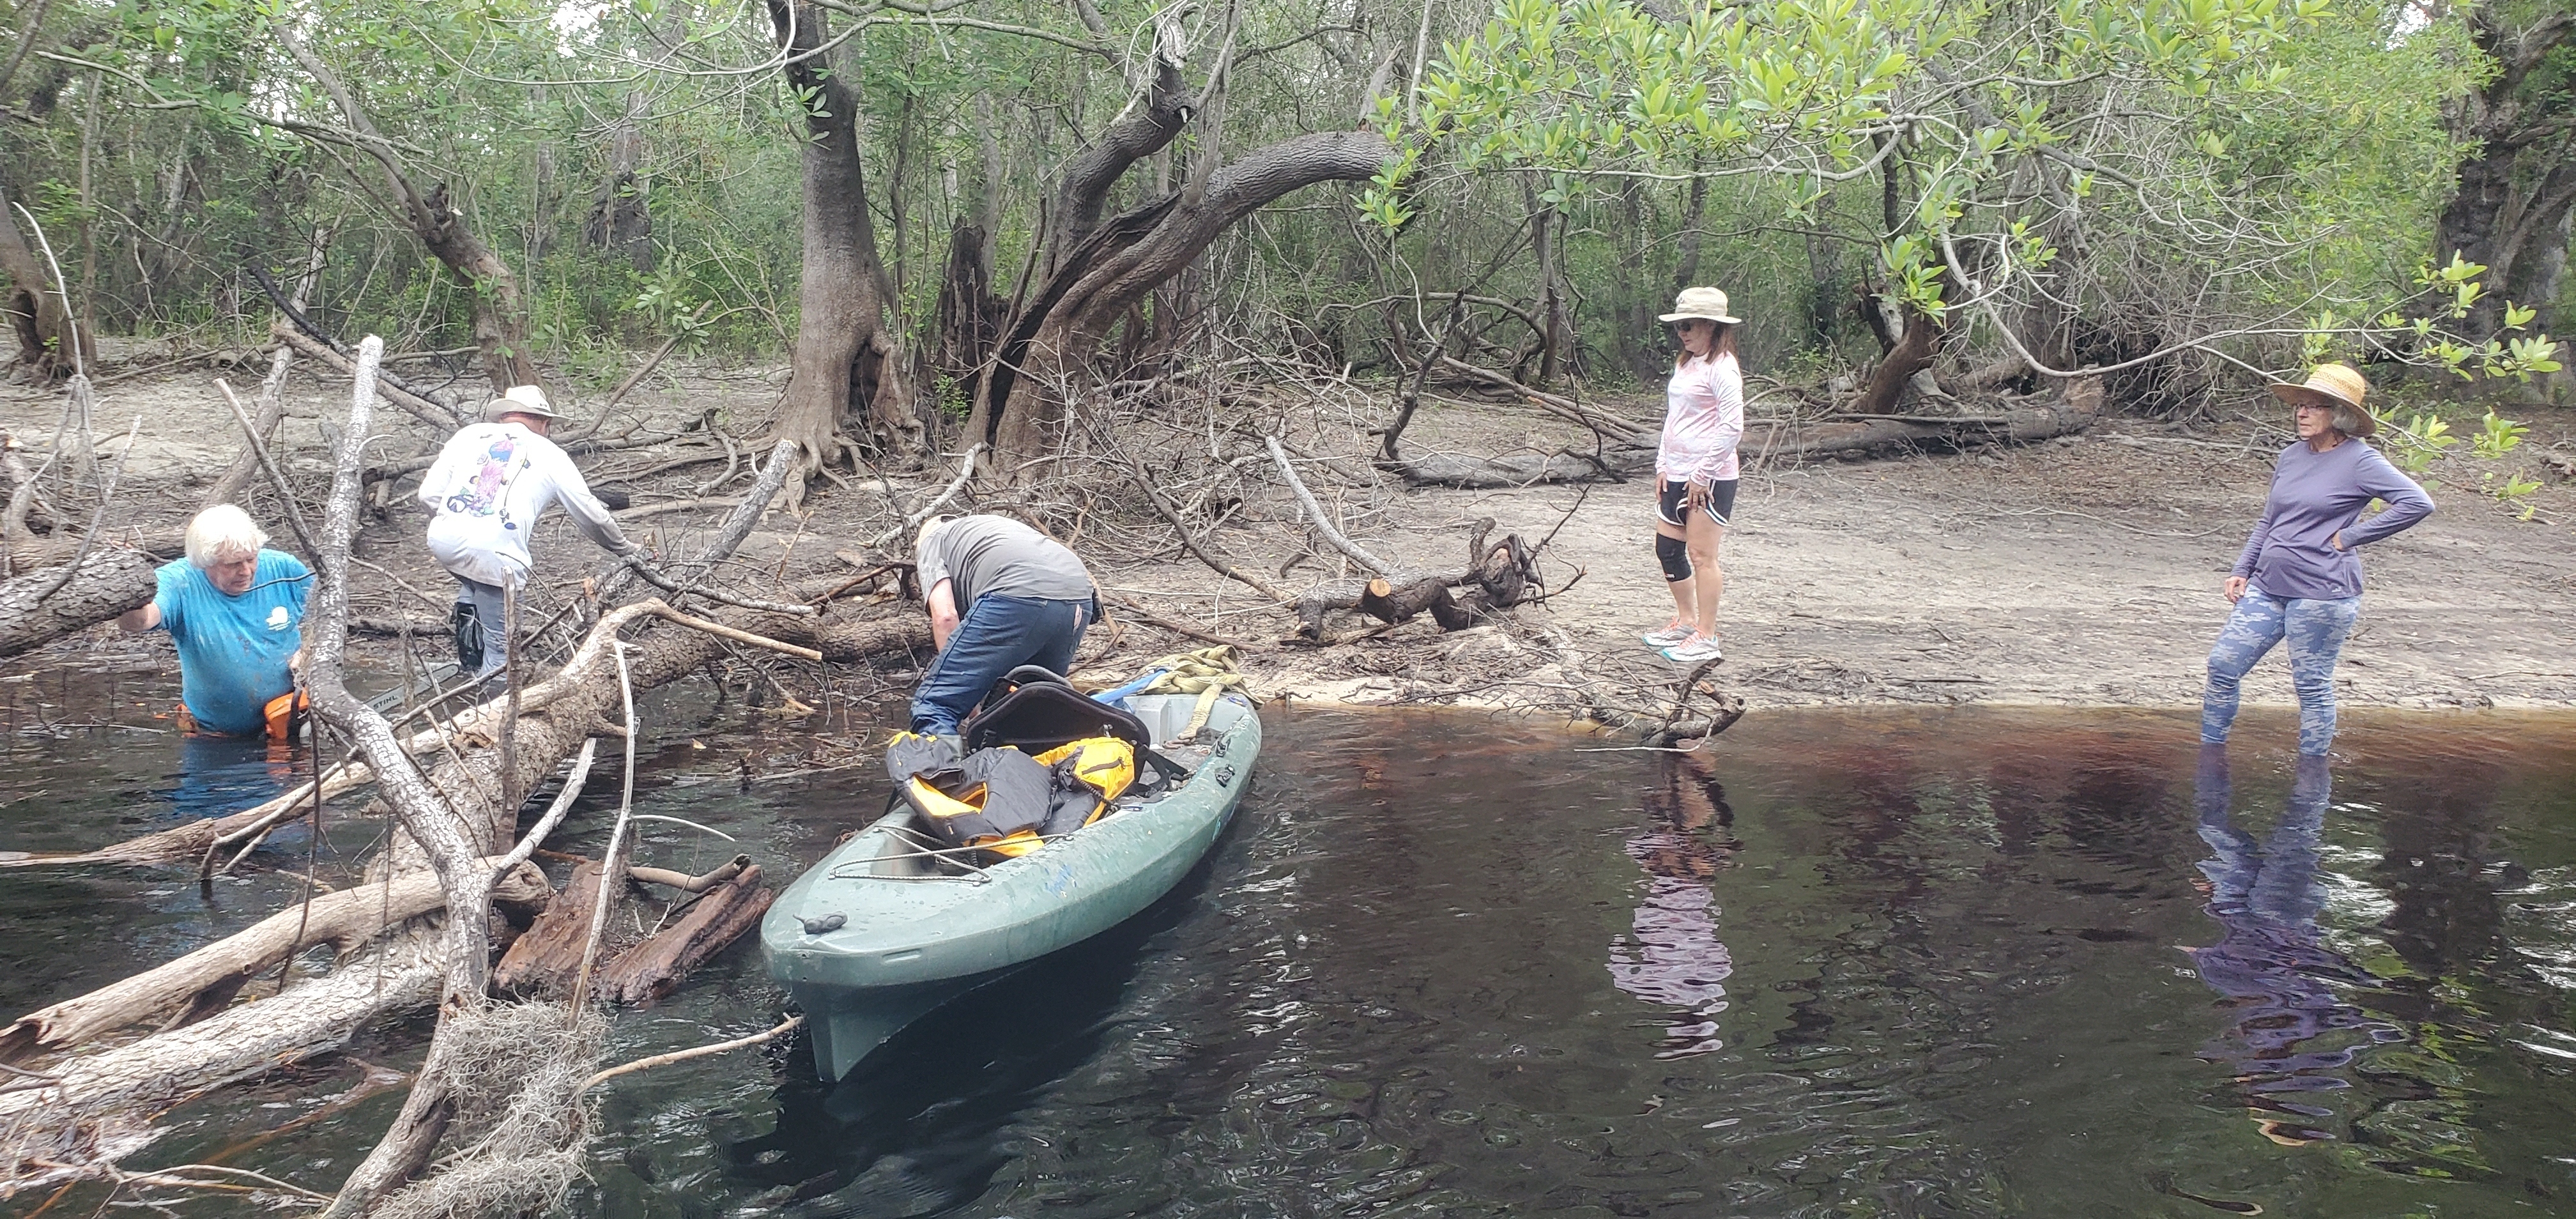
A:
x: 1701, y: 302
x: 522, y: 400
x: 2332, y: 385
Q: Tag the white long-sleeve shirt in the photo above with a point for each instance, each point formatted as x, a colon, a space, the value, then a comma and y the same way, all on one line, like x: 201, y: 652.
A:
x: 1703, y: 421
x: 487, y: 489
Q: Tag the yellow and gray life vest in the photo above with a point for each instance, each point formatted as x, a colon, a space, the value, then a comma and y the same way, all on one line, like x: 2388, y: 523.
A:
x: 1003, y: 801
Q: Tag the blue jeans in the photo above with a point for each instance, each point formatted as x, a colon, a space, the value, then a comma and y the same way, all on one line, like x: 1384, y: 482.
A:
x: 998, y: 634
x: 487, y: 602
x: 2316, y: 630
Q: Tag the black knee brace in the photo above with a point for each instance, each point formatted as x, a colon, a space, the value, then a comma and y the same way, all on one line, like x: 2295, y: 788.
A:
x: 1674, y: 554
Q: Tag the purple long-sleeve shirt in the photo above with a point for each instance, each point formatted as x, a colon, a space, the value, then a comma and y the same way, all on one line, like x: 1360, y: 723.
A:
x: 2314, y: 495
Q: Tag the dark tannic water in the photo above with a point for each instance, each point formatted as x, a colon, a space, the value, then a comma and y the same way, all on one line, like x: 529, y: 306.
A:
x: 1840, y: 963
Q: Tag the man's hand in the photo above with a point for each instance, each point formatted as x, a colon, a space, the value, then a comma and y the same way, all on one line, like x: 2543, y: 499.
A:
x: 942, y: 601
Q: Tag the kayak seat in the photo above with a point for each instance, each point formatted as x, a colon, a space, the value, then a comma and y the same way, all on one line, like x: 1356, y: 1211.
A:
x: 1035, y: 710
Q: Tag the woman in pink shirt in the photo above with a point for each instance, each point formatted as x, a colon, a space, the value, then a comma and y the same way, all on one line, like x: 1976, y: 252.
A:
x: 1695, y: 468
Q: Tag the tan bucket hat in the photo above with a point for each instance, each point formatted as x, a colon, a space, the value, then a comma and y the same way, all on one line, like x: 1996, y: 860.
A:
x: 2332, y: 385
x: 1701, y: 302
x: 522, y: 400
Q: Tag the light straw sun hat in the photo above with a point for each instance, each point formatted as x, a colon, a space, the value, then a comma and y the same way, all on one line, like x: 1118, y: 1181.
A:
x: 2332, y: 385
x: 1701, y: 302
x: 522, y: 400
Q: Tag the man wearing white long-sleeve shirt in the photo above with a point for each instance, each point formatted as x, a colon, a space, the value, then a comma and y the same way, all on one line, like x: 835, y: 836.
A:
x: 487, y: 489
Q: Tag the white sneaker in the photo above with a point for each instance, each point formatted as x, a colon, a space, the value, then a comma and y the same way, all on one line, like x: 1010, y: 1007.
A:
x: 1694, y: 650
x: 1673, y: 633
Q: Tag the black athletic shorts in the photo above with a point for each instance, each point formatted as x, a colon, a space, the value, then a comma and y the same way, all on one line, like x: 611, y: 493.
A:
x: 1721, y: 502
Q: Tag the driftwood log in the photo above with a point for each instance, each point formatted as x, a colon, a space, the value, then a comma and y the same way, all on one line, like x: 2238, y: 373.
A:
x: 544, y: 960
x: 1496, y: 577
x: 652, y: 969
x: 545, y: 955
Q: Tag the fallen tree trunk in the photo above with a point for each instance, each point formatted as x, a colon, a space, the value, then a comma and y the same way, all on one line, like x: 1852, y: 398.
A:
x: 2068, y: 413
x: 347, y: 921
x: 98, y: 1107
x: 109, y: 581
x: 841, y: 638
x: 1489, y: 473
x: 1388, y: 601
x: 438, y: 415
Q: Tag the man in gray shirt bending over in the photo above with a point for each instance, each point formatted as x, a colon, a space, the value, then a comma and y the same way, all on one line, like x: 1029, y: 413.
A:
x: 1001, y: 595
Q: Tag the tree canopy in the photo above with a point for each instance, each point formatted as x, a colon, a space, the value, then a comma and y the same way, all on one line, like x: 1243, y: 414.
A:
x: 1942, y: 198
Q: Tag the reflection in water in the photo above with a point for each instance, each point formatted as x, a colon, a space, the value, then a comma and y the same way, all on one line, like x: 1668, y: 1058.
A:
x: 2278, y: 978
x: 1674, y: 957
x: 922, y: 1125
x: 219, y: 776
x: 1952, y: 988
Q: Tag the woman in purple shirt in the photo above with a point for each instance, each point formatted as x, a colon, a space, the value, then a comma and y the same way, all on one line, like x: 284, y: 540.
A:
x: 2298, y: 578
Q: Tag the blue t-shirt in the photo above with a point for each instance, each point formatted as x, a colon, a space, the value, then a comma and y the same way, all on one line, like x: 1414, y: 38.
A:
x: 233, y: 650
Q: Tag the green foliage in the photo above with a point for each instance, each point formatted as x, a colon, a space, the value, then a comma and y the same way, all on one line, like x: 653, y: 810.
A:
x: 2164, y: 170
x: 2497, y: 436
x: 2420, y: 439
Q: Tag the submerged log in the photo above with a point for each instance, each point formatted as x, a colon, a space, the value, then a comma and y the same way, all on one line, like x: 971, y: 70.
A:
x: 203, y: 982
x: 651, y: 970
x: 98, y: 1107
x: 109, y: 581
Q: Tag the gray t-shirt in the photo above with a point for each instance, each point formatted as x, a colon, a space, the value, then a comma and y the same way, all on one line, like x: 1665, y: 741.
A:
x: 994, y: 555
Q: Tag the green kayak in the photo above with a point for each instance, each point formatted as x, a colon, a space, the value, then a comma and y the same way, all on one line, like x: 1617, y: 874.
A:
x: 887, y: 928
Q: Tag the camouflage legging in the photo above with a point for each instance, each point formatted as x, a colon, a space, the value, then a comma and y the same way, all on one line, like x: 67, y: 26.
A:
x: 2316, y: 630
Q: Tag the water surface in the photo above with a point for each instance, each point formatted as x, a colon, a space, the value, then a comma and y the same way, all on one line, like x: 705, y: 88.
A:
x: 1965, y: 962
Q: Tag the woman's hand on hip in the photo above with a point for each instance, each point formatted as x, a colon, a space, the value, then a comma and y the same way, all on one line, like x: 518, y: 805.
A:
x: 1697, y: 496
x: 2235, y: 588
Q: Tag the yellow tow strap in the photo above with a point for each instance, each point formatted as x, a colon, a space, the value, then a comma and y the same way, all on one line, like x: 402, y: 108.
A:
x: 1207, y: 672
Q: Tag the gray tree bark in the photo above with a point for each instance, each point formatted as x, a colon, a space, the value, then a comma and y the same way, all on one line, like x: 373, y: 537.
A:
x: 847, y: 360
x: 2516, y: 189
x: 110, y: 581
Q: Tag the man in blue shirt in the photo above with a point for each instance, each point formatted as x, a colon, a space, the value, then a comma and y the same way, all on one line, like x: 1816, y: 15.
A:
x: 236, y: 611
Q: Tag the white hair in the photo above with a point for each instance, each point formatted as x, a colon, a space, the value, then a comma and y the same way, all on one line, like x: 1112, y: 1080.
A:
x: 2346, y: 420
x: 220, y: 533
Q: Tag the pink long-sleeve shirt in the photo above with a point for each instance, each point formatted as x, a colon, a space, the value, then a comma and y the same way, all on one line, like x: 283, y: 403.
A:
x: 1703, y: 421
